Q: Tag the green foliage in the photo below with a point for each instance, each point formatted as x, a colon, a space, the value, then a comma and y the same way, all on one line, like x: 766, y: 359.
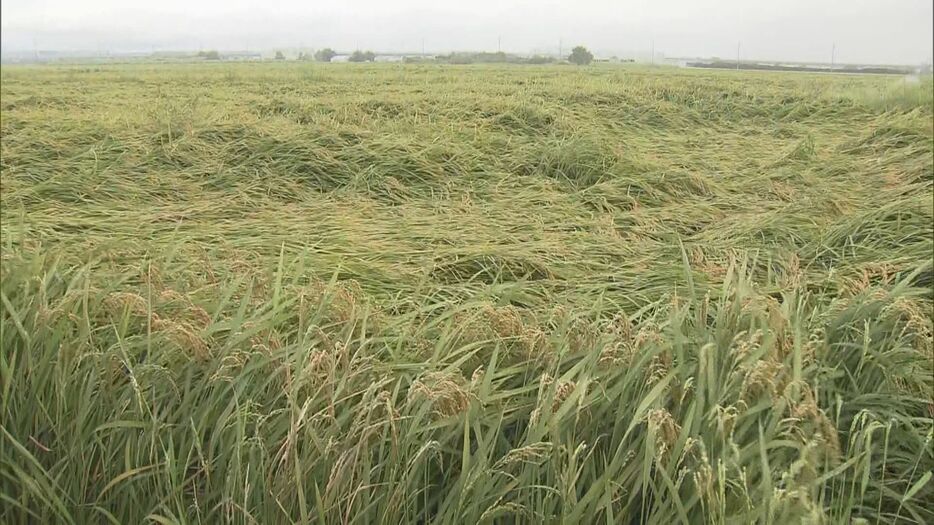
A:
x: 580, y: 56
x: 524, y: 295
x: 279, y: 55
x: 362, y: 56
x: 325, y: 55
x: 209, y: 55
x: 540, y: 59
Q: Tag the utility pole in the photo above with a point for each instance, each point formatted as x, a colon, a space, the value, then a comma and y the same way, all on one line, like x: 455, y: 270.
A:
x: 560, y: 48
x: 833, y: 52
x: 423, y: 47
x: 653, y: 51
x: 737, y: 55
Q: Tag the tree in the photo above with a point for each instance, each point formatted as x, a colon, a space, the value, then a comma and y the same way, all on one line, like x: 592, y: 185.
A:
x: 362, y: 56
x: 580, y: 56
x: 325, y: 55
x: 279, y: 55
x: 209, y: 55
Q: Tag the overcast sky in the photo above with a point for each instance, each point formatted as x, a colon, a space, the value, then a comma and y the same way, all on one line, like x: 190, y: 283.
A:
x: 877, y: 31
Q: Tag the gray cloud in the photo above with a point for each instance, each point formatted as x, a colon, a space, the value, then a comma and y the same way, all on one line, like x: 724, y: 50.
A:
x: 898, y: 31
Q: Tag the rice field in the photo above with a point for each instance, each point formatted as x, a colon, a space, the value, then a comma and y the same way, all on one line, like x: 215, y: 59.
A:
x: 295, y: 293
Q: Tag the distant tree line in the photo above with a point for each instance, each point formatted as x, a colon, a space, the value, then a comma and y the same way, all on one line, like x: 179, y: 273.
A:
x: 362, y: 56
x: 488, y: 58
x: 580, y: 55
x: 325, y: 55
